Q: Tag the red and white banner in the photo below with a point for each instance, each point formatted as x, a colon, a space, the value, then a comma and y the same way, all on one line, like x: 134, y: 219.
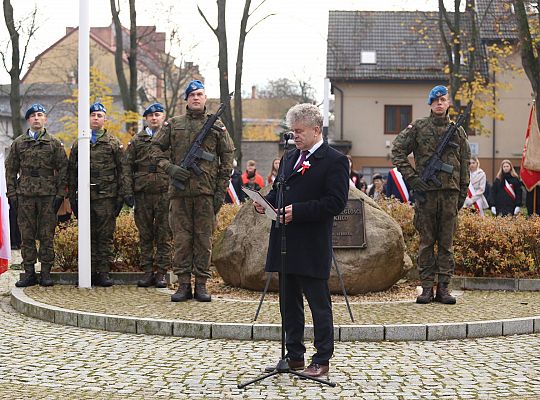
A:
x: 529, y: 177
x: 400, y: 184
x: 5, y: 241
x: 232, y: 194
x: 478, y: 203
x: 509, y: 189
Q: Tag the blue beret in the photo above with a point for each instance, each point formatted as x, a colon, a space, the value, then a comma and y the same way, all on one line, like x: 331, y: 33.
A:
x: 34, y: 109
x: 152, y: 108
x: 193, y: 85
x: 97, y: 107
x: 436, y: 92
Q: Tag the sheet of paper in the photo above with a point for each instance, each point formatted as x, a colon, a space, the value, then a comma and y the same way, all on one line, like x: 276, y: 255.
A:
x: 259, y: 198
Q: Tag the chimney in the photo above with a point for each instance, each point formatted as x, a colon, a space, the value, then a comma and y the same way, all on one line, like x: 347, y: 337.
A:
x: 253, y: 92
x: 188, y: 65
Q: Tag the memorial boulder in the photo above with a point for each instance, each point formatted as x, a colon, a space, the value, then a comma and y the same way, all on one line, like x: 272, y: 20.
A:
x: 368, y: 245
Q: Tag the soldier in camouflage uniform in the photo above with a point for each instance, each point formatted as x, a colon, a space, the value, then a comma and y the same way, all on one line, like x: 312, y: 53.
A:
x: 107, y: 190
x: 192, y: 210
x: 149, y: 184
x: 36, y: 178
x: 435, y: 217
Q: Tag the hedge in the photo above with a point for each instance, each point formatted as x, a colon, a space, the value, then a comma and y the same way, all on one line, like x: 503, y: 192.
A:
x: 483, y: 246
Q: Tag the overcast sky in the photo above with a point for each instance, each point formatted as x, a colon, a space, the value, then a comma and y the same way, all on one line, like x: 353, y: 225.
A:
x: 290, y: 44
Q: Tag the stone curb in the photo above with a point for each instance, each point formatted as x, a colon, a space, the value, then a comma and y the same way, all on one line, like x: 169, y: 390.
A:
x: 481, y: 283
x: 208, y: 330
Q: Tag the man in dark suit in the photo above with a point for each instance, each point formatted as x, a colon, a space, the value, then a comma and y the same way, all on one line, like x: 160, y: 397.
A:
x: 316, y: 189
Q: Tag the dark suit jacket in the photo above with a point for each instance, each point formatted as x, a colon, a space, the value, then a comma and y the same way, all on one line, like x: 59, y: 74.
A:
x: 317, y: 196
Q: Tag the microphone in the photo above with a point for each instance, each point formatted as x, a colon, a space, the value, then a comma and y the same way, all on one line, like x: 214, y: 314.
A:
x: 288, y: 136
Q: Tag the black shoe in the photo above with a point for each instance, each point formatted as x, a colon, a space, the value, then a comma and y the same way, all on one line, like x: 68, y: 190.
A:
x: 147, y: 280
x: 104, y: 280
x: 161, y: 282
x: 443, y: 294
x: 295, y: 365
x: 29, y: 279
x: 201, y: 294
x: 427, y: 295
x: 45, y: 279
x: 183, y: 293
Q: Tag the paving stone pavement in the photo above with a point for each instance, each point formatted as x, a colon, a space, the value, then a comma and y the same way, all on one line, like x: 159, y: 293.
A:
x: 152, y: 303
x: 40, y: 360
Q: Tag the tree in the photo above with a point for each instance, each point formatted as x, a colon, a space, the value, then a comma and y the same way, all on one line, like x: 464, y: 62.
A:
x: 17, y: 61
x: 234, y: 126
x: 175, y: 76
x: 129, y: 93
x: 529, y: 39
x: 223, y: 65
x: 281, y: 88
x: 464, y: 59
x: 99, y: 91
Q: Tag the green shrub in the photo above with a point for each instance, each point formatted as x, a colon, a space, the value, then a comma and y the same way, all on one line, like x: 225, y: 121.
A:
x: 125, y: 242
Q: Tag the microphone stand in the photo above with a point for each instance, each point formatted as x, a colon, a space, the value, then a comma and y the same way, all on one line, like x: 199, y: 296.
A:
x: 282, y: 366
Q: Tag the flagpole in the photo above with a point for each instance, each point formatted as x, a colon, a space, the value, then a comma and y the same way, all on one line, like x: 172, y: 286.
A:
x: 84, y: 145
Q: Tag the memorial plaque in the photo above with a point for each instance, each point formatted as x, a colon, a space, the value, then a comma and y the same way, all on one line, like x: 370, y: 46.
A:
x: 349, y: 230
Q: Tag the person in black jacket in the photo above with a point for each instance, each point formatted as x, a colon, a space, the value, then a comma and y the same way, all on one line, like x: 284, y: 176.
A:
x: 317, y: 185
x: 506, y: 196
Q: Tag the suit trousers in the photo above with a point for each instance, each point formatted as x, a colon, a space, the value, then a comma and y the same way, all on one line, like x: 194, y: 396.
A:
x: 318, y: 297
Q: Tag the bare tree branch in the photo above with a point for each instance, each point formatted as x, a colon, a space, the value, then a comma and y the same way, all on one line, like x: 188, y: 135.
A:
x: 31, y: 33
x: 206, y: 20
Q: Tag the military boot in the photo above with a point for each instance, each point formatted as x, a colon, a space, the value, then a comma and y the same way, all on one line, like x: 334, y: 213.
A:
x: 147, y: 280
x: 161, y: 281
x: 29, y: 279
x: 427, y: 295
x: 103, y: 279
x: 443, y: 294
x: 201, y: 294
x: 183, y: 292
x: 45, y: 279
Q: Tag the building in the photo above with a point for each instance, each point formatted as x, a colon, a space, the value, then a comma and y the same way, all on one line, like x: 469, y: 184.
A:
x: 382, y: 65
x: 52, y: 75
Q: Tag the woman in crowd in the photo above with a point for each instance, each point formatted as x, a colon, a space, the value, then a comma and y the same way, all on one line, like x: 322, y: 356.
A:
x: 506, y: 191
x: 377, y: 188
x: 355, y: 177
x: 478, y: 183
x: 273, y: 173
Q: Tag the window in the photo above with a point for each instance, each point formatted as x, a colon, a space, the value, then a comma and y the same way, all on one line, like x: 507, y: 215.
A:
x: 368, y: 57
x: 396, y: 118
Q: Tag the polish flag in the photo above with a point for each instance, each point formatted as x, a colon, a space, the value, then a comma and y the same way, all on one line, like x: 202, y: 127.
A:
x: 530, y: 178
x: 478, y: 203
x: 5, y: 242
x: 400, y: 184
x: 232, y: 194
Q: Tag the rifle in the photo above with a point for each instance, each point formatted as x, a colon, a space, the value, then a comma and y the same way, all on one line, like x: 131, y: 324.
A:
x: 196, y: 152
x: 435, y: 163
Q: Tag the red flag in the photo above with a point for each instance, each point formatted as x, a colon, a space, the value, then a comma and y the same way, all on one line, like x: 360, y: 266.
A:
x: 5, y: 243
x: 530, y: 178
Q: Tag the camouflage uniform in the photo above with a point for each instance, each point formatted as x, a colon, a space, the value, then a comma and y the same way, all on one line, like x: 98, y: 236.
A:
x: 149, y: 184
x: 192, y: 210
x: 436, y: 218
x: 42, y: 168
x: 107, y: 183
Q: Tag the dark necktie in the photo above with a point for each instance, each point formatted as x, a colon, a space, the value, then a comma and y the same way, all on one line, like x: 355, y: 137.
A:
x: 303, y: 156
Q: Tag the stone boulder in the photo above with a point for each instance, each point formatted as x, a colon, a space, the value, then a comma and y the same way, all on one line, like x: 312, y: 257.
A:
x: 239, y: 253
